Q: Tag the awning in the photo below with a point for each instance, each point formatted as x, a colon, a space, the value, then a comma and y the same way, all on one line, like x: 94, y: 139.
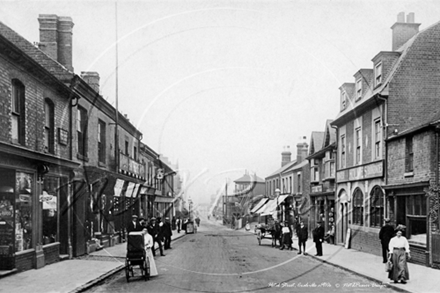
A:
x: 259, y: 205
x: 272, y: 204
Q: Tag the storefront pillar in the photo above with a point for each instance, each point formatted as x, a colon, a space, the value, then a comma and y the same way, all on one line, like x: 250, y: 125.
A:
x: 39, y: 260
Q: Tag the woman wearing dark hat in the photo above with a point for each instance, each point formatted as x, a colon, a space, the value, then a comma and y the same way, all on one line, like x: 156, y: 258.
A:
x: 399, y: 253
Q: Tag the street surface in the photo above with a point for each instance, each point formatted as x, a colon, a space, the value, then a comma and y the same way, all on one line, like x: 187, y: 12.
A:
x: 217, y: 259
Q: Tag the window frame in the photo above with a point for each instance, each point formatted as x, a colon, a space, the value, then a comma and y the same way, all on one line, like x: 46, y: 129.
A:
x: 378, y: 68
x: 409, y: 154
x: 377, y: 207
x: 358, y: 89
x: 49, y: 126
x: 18, y: 111
x: 81, y: 124
x: 358, y: 138
x: 358, y: 207
x: 102, y: 131
x: 377, y: 138
x: 343, y: 151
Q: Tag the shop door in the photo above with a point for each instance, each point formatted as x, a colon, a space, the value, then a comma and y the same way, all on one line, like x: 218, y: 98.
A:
x: 79, y: 219
x: 344, y: 222
x: 401, y: 210
x: 64, y: 218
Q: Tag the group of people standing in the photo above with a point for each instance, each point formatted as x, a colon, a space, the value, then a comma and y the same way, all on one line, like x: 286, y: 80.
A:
x: 395, y: 249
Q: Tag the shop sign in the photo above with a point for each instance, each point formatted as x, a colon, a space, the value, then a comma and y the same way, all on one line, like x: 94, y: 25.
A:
x: 361, y: 172
x: 317, y: 188
x: 130, y: 188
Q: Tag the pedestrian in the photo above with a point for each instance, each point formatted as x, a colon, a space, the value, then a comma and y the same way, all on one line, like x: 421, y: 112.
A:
x: 153, y: 230
x: 173, y: 224
x: 318, y: 238
x: 276, y: 234
x: 385, y: 235
x: 198, y: 221
x: 167, y: 232
x: 134, y: 225
x: 330, y: 235
x: 178, y: 225
x: 286, y: 235
x: 149, y: 252
x: 302, y: 235
x: 398, y: 254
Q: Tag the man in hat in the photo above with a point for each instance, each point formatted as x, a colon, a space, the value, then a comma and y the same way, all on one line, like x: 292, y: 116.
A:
x: 153, y: 230
x: 167, y: 232
x: 318, y: 238
x: 385, y: 235
x: 134, y: 225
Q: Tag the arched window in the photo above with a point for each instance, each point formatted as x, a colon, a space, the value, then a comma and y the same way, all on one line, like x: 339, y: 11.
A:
x: 18, y: 112
x: 358, y: 207
x: 49, y: 126
x: 376, y: 207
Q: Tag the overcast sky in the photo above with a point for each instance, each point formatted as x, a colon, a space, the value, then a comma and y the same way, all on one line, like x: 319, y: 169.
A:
x: 222, y: 86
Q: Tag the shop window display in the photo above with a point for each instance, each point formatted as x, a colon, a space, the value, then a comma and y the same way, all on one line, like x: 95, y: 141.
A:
x: 23, y: 212
x: 50, y: 209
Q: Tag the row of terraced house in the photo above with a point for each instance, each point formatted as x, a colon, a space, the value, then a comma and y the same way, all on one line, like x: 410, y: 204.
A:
x: 380, y: 156
x: 72, y: 168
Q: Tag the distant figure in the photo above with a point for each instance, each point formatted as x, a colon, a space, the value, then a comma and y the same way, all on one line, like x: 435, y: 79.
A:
x: 318, y: 238
x: 178, y: 222
x: 399, y: 253
x: 153, y: 230
x: 302, y: 235
x: 277, y: 234
x: 286, y: 236
x: 198, y: 221
x: 385, y: 235
x: 173, y: 223
x: 167, y: 233
x: 330, y: 235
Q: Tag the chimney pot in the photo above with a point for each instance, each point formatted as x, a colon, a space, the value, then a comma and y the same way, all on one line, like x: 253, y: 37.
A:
x: 401, y: 17
x: 410, y: 18
x: 91, y: 78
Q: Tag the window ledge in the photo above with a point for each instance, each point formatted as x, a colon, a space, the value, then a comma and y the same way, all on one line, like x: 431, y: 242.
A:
x: 82, y: 158
x: 101, y: 164
x: 408, y: 174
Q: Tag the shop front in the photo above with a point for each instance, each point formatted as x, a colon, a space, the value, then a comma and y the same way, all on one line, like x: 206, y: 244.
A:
x: 33, y: 224
x: 323, y: 209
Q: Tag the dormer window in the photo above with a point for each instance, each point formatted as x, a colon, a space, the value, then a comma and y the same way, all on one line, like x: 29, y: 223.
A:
x: 378, y: 74
x: 343, y: 101
x: 358, y: 89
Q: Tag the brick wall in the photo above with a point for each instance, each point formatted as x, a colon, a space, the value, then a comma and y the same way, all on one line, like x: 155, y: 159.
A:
x: 51, y: 253
x: 424, y: 154
x: 24, y: 261
x: 366, y: 241
x: 414, y: 90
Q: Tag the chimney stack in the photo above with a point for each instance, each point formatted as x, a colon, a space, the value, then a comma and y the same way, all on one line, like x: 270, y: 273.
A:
x: 91, y: 78
x: 302, y: 151
x: 56, y: 38
x: 403, y: 31
x: 285, y: 156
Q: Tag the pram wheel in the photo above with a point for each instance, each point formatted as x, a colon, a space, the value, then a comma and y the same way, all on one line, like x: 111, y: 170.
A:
x: 146, y: 269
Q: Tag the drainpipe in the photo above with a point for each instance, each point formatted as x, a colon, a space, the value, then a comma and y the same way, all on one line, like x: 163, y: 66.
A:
x: 336, y: 208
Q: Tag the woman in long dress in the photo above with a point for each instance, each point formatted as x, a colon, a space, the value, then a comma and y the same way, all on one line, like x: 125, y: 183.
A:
x: 399, y: 253
x: 148, y: 240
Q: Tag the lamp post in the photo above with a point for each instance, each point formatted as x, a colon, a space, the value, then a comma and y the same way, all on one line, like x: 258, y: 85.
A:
x: 277, y: 194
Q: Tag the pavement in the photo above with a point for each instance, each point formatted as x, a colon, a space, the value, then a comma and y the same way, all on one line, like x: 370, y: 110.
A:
x: 78, y: 275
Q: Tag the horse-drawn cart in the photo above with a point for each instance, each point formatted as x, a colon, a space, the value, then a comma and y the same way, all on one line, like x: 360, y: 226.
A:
x: 266, y: 231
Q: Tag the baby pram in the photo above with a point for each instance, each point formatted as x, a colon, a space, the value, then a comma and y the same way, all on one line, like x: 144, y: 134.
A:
x: 136, y: 256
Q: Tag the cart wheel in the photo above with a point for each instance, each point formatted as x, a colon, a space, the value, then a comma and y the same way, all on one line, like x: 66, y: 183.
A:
x: 127, y: 270
x: 147, y: 269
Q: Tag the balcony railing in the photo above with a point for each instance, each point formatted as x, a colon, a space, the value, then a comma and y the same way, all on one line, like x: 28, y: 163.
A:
x: 131, y: 167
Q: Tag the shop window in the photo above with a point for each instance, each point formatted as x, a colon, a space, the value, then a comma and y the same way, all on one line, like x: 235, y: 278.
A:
x: 358, y: 207
x: 50, y: 201
x: 376, y: 207
x: 23, y: 212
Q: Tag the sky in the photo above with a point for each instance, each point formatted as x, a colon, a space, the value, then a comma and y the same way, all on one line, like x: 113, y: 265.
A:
x: 221, y: 87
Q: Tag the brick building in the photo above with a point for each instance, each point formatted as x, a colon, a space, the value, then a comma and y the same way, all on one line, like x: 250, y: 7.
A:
x: 70, y: 163
x: 380, y: 143
x: 292, y: 181
x: 322, y: 176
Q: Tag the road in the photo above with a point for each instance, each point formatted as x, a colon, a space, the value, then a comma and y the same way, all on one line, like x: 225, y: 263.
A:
x: 217, y: 259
